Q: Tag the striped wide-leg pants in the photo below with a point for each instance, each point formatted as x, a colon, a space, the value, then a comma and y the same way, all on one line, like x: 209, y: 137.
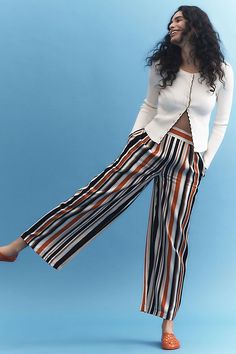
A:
x: 176, y: 170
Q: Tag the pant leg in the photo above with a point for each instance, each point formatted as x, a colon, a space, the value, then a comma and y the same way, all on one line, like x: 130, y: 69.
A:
x: 60, y: 234
x: 173, y: 195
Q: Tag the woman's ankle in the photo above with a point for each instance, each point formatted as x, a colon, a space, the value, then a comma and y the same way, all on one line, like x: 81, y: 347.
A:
x: 14, y: 247
x: 19, y: 244
x: 168, y: 326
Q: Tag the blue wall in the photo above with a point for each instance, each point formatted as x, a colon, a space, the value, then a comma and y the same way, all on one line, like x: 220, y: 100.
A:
x: 72, y: 79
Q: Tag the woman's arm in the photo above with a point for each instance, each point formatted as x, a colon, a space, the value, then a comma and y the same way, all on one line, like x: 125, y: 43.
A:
x: 148, y: 108
x: 224, y: 104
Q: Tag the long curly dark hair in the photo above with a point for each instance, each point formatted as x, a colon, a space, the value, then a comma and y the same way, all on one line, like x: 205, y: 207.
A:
x: 206, y: 44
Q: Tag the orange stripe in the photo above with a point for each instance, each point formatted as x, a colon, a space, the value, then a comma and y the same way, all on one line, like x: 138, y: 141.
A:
x: 180, y: 133
x: 144, y: 283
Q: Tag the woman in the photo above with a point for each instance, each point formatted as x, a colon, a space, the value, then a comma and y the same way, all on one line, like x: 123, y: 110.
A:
x: 170, y: 144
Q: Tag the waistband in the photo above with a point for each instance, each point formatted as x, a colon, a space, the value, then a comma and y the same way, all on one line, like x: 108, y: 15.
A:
x: 181, y: 134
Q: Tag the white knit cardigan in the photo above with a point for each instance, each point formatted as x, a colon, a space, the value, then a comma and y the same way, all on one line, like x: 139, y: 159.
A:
x: 161, y: 108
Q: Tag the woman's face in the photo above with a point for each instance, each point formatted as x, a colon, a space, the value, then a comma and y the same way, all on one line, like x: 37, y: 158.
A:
x: 177, y: 27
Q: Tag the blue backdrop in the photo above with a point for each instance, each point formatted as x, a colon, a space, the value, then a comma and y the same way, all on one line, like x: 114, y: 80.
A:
x: 72, y: 79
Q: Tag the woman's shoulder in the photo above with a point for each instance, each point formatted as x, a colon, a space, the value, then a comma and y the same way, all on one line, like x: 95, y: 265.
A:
x: 155, y: 76
x: 156, y: 66
x: 227, y: 68
x: 228, y: 79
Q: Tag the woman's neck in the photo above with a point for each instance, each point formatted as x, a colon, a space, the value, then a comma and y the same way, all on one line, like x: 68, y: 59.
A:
x: 187, y: 60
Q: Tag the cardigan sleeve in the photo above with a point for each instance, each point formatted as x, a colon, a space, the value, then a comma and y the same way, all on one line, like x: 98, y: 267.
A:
x: 148, y: 108
x: 223, y: 109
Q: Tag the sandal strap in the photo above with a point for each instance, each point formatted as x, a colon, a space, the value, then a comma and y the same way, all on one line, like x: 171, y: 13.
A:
x: 167, y: 337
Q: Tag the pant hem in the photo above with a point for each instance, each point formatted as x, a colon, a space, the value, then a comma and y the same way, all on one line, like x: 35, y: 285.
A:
x: 45, y: 260
x: 158, y: 313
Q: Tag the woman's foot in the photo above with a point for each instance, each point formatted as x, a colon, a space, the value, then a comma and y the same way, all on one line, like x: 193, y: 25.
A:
x: 10, y: 252
x: 5, y: 258
x: 168, y: 340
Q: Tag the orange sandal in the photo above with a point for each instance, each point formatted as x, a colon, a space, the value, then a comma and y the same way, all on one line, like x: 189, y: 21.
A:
x: 169, y: 341
x: 5, y: 258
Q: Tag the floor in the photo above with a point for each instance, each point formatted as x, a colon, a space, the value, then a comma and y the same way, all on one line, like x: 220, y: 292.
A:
x: 33, y: 334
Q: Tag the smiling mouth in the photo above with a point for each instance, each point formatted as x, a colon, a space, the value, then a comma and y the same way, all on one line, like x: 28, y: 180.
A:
x: 173, y: 33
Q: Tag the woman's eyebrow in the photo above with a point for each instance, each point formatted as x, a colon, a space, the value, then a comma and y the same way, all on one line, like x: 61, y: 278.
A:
x: 178, y: 17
